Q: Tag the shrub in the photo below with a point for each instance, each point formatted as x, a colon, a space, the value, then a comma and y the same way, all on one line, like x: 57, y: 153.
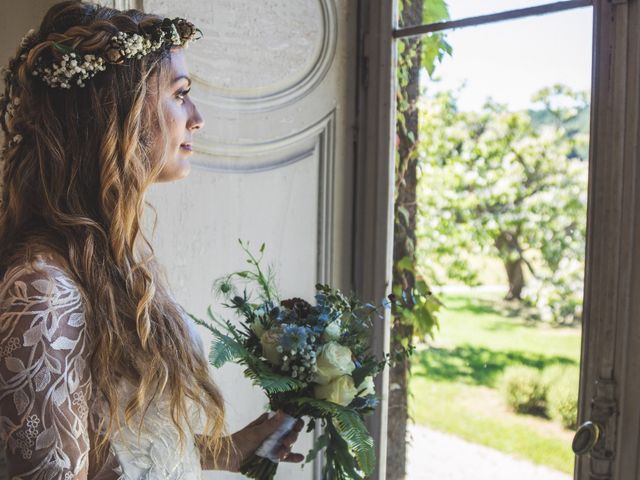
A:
x: 524, y: 390
x: 562, y: 385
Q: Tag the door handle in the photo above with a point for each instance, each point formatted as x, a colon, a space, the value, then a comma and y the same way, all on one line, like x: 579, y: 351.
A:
x: 586, y: 438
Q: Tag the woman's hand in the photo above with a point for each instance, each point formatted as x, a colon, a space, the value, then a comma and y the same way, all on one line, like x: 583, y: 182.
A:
x: 251, y: 437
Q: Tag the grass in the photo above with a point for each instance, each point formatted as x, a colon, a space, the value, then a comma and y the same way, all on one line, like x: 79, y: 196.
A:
x: 453, y: 385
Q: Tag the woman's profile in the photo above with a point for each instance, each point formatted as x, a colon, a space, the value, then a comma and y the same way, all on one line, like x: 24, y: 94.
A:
x: 102, y: 375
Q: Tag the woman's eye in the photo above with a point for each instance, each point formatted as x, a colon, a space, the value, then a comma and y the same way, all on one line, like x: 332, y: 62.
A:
x: 182, y: 93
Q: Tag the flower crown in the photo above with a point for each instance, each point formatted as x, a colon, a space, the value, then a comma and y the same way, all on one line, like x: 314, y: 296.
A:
x: 74, y: 68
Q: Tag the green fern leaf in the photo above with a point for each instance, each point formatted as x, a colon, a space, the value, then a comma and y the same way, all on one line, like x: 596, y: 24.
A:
x: 272, y: 383
x: 340, y: 463
x: 225, y: 349
x: 354, y: 431
x: 350, y: 426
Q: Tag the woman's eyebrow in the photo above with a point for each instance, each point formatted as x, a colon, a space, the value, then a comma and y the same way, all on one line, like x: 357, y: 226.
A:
x: 177, y: 79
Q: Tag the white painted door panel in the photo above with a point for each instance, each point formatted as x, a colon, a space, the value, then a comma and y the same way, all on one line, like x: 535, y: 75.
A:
x: 273, y: 80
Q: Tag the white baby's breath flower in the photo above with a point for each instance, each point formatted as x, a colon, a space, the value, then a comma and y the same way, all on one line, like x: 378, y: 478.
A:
x: 75, y: 68
x: 27, y: 38
x: 175, y: 36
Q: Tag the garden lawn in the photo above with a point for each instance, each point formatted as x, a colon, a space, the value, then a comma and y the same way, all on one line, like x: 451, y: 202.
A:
x: 454, y: 384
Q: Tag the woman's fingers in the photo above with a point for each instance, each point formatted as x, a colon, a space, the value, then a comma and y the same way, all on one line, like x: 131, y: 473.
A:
x: 283, y: 451
x: 285, y: 455
x: 293, y: 458
x: 287, y: 442
x: 290, y: 438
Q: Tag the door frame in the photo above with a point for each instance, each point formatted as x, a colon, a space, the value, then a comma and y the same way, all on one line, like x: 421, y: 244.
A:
x: 609, y: 389
x: 374, y: 187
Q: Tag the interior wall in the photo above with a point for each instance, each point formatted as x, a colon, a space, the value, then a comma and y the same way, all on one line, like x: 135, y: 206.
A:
x: 23, y: 16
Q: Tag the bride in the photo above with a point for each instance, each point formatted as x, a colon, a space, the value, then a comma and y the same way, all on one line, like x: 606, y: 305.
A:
x: 102, y: 374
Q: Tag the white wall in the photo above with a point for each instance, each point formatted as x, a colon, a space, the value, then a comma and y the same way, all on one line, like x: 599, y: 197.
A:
x: 15, y: 22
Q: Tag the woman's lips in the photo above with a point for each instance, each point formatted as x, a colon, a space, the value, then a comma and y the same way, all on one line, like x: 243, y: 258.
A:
x: 186, y: 146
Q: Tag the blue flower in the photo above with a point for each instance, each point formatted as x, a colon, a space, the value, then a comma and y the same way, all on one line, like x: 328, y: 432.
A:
x: 320, y: 298
x: 324, y: 317
x: 294, y: 337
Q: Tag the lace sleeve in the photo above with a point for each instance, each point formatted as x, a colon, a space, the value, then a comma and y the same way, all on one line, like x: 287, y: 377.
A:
x: 44, y: 378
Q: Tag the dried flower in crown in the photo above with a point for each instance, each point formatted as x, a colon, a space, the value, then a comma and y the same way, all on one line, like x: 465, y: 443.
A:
x: 28, y: 38
x: 75, y: 68
x: 71, y: 70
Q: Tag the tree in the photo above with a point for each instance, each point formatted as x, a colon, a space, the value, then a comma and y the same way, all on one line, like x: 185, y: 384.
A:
x: 418, y: 316
x: 510, y: 185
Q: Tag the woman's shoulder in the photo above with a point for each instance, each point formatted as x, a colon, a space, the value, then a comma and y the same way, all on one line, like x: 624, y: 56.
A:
x: 43, y: 273
x: 37, y: 289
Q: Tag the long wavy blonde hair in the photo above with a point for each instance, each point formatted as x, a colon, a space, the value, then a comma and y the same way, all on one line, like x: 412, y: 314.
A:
x: 75, y: 185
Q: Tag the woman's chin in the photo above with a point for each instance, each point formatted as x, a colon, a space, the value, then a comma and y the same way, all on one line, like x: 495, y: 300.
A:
x: 180, y: 169
x: 184, y: 170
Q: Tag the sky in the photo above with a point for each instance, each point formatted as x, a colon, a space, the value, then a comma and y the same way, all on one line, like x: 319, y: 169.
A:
x: 511, y: 60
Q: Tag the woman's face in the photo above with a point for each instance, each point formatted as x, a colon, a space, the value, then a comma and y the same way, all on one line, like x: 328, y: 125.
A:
x: 182, y: 119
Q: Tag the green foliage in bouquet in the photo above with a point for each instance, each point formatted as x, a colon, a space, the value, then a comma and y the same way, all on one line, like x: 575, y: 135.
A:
x: 310, y: 360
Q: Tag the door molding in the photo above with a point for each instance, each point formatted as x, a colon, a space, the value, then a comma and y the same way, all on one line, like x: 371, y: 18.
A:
x: 374, y: 187
x: 127, y: 4
x: 609, y: 387
x: 290, y: 92
x: 258, y: 156
x: 286, y: 94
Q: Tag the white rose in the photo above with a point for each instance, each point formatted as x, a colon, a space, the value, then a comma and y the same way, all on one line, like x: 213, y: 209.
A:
x: 368, y: 386
x: 341, y: 390
x: 333, y: 361
x: 332, y: 332
x: 257, y: 328
x: 270, y: 341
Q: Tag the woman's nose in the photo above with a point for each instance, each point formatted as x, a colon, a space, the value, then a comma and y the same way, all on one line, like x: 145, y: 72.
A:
x: 196, y: 120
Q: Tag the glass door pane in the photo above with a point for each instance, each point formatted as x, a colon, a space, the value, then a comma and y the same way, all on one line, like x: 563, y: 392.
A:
x: 496, y: 121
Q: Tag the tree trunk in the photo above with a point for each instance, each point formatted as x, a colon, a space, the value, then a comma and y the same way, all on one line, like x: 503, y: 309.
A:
x: 398, y: 411
x: 515, y: 274
x: 507, y: 245
x: 405, y: 210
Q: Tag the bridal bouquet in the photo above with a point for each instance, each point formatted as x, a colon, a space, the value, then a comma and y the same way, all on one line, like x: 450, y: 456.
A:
x: 311, y: 360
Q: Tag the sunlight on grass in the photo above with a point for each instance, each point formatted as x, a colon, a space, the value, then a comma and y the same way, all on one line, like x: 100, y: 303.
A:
x: 445, y: 407
x: 479, y: 321
x: 453, y: 385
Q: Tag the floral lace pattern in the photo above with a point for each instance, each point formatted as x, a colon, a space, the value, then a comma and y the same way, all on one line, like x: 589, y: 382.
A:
x: 45, y: 384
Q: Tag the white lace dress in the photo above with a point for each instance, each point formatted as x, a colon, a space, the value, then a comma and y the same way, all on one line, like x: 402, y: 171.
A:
x: 45, y: 420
